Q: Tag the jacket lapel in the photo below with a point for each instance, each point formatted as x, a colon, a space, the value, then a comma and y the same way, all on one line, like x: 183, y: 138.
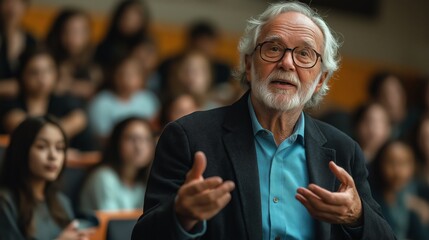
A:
x: 240, y: 147
x: 318, y: 158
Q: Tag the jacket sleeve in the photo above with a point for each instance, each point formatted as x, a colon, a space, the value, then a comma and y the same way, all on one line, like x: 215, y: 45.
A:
x: 173, y: 159
x: 374, y: 224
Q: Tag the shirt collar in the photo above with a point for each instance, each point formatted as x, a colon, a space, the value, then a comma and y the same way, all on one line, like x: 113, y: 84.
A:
x: 257, y: 127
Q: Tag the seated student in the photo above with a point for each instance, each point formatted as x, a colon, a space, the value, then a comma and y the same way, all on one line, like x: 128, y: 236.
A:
x: 391, y: 176
x: 372, y: 128
x: 37, y: 77
x: 119, y: 181
x: 125, y: 96
x: 70, y: 42
x: 14, y: 40
x: 30, y: 205
x: 177, y: 106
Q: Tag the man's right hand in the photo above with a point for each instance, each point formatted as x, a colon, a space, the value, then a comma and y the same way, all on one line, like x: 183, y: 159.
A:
x: 200, y: 199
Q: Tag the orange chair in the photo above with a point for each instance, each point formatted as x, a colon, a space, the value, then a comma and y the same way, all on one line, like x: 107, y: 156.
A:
x: 105, y: 217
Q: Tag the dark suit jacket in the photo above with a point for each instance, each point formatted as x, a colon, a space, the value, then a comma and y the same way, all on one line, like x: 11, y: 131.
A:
x: 225, y: 135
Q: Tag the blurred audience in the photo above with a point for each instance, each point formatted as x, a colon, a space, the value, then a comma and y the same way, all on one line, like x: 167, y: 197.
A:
x: 146, y: 52
x: 37, y: 77
x: 202, y: 37
x: 176, y: 107
x: 129, y: 22
x: 125, y: 96
x: 192, y: 75
x: 388, y: 89
x: 391, y: 177
x: 119, y: 181
x: 31, y: 207
x: 371, y: 128
x: 14, y: 40
x: 69, y: 39
x: 421, y: 144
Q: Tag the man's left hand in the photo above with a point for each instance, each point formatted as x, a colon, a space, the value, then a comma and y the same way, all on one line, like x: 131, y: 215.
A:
x: 341, y: 207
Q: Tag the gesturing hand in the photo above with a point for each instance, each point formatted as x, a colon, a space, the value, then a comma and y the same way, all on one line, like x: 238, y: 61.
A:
x: 198, y: 198
x: 341, y: 207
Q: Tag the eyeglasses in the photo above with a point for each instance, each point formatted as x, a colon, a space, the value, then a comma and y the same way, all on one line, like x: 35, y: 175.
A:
x: 303, y: 57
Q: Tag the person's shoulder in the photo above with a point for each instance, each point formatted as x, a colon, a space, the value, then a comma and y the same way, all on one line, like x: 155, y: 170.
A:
x: 332, y: 134
x: 204, y: 119
x: 5, y: 195
x: 104, y: 175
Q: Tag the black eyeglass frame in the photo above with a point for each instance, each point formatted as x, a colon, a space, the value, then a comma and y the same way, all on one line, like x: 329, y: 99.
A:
x: 318, y: 55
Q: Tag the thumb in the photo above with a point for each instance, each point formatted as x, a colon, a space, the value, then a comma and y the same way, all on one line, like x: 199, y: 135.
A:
x: 198, y: 168
x: 73, y: 225
x: 342, y: 175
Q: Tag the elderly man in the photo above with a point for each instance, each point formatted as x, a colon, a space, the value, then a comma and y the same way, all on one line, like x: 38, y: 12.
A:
x: 261, y: 168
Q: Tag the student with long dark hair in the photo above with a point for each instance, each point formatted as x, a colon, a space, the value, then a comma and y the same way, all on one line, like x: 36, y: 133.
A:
x: 130, y: 21
x: 14, y: 40
x: 119, y: 181
x: 31, y: 207
x: 392, y: 179
x: 70, y: 43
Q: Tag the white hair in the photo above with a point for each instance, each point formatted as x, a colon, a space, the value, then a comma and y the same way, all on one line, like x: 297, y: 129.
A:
x: 330, y: 56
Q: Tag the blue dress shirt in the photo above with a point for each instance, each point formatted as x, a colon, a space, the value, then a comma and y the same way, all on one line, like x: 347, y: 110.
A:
x: 282, y: 169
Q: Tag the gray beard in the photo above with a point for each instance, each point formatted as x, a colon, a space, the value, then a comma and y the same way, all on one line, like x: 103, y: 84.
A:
x: 282, y: 100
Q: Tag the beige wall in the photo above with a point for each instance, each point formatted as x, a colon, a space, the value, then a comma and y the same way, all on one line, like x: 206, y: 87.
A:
x: 398, y: 36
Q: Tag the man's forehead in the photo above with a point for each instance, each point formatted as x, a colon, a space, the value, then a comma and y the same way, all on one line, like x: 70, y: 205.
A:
x: 292, y: 24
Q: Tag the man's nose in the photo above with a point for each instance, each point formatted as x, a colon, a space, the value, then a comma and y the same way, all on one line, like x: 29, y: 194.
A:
x: 286, y: 62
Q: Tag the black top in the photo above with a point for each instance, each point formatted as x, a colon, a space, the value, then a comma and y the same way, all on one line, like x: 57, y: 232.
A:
x: 58, y: 106
x: 8, y: 70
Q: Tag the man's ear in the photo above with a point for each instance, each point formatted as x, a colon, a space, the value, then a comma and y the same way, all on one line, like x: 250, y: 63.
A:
x: 321, y: 81
x: 248, y: 66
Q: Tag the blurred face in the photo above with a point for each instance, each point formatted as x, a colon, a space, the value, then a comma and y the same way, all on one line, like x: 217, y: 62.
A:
x: 76, y: 34
x: 12, y: 11
x: 137, y: 145
x: 183, y: 105
x: 132, y: 20
x: 374, y: 129
x: 128, y: 78
x: 206, y: 44
x: 40, y: 76
x: 47, y: 154
x: 282, y: 85
x: 195, y: 75
x: 397, y: 166
x: 392, y: 97
x: 423, y: 140
x: 147, y: 55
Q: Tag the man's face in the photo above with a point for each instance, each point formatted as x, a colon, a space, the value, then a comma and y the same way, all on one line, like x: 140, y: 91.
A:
x: 282, y: 85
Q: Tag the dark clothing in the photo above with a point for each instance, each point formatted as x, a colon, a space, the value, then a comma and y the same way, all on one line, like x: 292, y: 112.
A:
x: 59, y: 106
x: 8, y: 69
x: 225, y: 135
x: 404, y: 222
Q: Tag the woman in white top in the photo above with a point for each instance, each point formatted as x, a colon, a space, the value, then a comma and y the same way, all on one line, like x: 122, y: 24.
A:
x: 124, y: 97
x: 119, y: 181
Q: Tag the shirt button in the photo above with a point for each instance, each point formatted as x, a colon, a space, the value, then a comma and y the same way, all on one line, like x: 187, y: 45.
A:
x: 278, y: 238
x: 276, y: 200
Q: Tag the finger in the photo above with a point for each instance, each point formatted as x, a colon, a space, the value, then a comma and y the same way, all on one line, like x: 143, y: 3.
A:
x: 341, y: 174
x: 197, y: 187
x: 318, y: 204
x: 211, y: 197
x: 198, y: 167
x: 208, y: 211
x: 73, y: 225
x: 327, y: 196
x: 318, y: 209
